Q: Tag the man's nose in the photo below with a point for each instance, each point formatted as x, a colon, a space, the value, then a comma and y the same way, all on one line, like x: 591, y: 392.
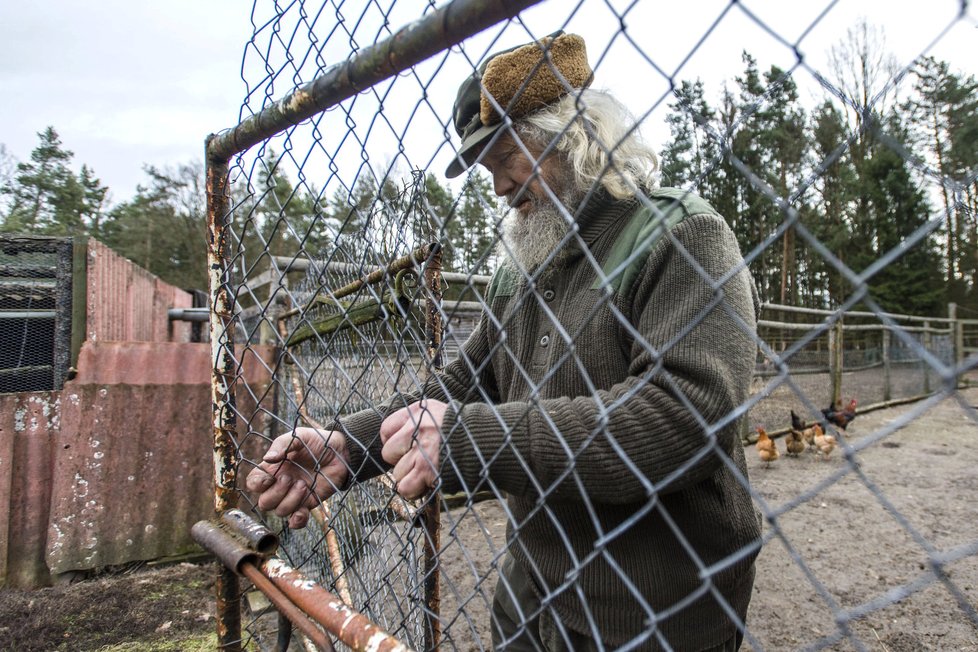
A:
x: 502, y: 185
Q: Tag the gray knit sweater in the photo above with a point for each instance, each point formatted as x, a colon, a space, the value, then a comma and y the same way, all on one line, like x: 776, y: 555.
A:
x: 602, y: 409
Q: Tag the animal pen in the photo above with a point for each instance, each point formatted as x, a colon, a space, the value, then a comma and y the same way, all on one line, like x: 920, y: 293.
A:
x: 337, y: 266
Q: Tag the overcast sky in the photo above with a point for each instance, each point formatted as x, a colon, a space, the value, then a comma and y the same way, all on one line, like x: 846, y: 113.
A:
x: 128, y: 83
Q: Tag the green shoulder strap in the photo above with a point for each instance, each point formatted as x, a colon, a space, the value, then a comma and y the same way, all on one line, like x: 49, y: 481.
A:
x: 666, y: 208
x: 503, y: 283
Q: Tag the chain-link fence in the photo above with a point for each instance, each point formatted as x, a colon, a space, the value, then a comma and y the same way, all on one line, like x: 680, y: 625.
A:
x: 601, y: 380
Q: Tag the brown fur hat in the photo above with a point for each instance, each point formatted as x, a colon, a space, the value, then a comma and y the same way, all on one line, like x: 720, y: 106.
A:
x: 524, y: 80
x: 520, y: 80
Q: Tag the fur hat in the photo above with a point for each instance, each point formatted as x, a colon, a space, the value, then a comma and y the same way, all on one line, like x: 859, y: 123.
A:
x: 519, y: 80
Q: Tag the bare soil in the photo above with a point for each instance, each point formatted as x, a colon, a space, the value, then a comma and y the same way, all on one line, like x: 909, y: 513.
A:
x: 848, y: 560
x: 170, y: 608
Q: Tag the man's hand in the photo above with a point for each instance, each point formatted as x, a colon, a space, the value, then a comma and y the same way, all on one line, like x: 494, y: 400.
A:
x: 412, y: 443
x: 300, y: 469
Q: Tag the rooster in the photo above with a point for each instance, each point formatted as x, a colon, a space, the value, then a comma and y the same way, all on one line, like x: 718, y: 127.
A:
x: 767, y: 450
x: 838, y: 416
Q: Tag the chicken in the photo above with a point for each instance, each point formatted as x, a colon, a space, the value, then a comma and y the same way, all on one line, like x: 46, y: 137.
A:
x: 806, y: 432
x: 794, y: 442
x: 825, y: 444
x: 838, y: 416
x: 796, y: 421
x: 767, y: 450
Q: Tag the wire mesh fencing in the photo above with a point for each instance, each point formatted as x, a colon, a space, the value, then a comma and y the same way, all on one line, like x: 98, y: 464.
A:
x: 595, y: 351
x: 35, y: 313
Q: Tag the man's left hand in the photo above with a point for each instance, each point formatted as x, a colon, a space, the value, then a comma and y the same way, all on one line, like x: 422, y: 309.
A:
x: 412, y: 443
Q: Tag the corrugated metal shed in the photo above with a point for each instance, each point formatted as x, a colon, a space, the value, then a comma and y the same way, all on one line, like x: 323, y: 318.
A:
x: 29, y: 427
x: 127, y: 303
x: 129, y: 481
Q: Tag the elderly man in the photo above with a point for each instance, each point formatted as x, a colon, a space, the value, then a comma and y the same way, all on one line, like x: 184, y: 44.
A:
x: 598, y: 392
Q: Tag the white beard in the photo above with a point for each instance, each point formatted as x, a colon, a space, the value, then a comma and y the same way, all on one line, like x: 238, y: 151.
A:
x: 529, y: 240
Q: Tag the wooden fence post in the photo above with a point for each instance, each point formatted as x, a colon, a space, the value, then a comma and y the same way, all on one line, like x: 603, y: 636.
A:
x: 957, y: 332
x: 887, y: 388
x: 835, y: 361
x: 927, y: 342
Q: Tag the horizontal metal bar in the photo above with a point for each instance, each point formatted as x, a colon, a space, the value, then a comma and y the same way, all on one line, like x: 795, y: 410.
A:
x: 442, y: 28
x: 448, y: 307
x: 231, y: 551
x: 468, y: 279
x: 258, y: 537
x: 285, y: 606
x: 350, y: 627
x: 288, y: 264
x: 28, y: 314
x: 188, y: 314
x: 852, y: 313
x: 29, y: 271
x: 788, y: 326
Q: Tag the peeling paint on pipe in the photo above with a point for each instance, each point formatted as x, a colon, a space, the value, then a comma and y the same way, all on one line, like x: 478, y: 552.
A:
x: 446, y: 26
x: 350, y: 627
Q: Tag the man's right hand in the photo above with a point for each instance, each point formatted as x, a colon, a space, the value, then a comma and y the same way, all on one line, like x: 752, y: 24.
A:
x: 301, y: 469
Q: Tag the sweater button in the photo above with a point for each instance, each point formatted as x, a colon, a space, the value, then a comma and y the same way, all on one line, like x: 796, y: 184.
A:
x: 549, y: 295
x: 545, y: 340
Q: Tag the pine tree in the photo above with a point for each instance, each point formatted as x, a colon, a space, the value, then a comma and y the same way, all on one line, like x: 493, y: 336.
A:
x: 943, y: 113
x: 45, y: 196
x: 898, y: 209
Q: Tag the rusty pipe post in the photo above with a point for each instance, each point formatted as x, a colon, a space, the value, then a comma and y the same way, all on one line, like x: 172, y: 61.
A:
x: 432, y: 511
x: 348, y: 626
x: 226, y: 585
x: 439, y: 30
x: 240, y: 544
x: 286, y: 607
x: 259, y: 538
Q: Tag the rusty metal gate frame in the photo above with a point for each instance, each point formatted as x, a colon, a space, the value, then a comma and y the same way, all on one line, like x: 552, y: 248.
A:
x: 443, y: 28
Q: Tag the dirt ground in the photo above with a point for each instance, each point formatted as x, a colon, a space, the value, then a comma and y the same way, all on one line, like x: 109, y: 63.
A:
x: 149, y: 610
x: 846, y: 564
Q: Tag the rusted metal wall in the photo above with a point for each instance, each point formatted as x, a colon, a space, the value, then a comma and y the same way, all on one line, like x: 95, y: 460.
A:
x: 114, y: 468
x: 29, y: 427
x: 128, y: 304
x: 128, y: 483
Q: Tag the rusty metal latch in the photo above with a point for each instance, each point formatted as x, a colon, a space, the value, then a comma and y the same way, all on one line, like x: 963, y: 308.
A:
x: 247, y: 547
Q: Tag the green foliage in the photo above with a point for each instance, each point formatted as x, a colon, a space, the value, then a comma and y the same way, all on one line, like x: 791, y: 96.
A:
x: 45, y: 197
x: 162, y: 228
x: 760, y: 158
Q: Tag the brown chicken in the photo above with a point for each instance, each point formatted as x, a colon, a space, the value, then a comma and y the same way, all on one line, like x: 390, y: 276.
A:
x: 806, y: 432
x: 824, y: 444
x: 794, y: 442
x: 767, y: 450
x: 839, y: 417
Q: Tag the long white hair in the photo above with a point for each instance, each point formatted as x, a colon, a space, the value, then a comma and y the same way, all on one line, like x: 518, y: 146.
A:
x: 599, y: 138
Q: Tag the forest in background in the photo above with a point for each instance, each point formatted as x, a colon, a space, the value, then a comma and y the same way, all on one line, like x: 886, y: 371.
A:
x: 865, y: 172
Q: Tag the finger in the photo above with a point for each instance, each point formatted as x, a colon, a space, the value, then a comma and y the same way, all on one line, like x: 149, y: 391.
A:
x: 299, y: 519
x: 403, y: 467
x: 395, y: 422
x: 414, y: 485
x: 273, y: 495
x: 293, y: 499
x: 282, y: 446
x: 259, y: 480
x: 399, y: 444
